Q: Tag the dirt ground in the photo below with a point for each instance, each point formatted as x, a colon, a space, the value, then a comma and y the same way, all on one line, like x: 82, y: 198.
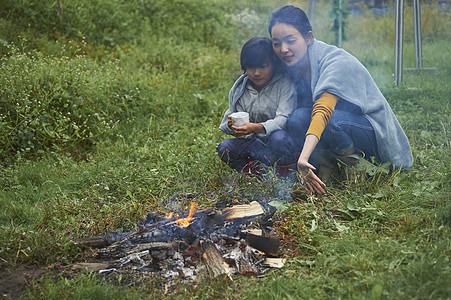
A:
x: 16, y: 279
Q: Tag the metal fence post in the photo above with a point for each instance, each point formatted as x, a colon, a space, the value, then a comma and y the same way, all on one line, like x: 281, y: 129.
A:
x: 340, y: 22
x: 417, y: 27
x: 399, y: 28
x: 311, y: 11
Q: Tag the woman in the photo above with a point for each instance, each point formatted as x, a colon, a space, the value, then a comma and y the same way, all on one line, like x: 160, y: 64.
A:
x: 267, y: 94
x: 340, y: 108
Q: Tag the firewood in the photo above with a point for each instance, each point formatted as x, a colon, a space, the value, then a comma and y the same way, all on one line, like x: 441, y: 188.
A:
x: 243, y: 211
x: 274, y: 262
x: 119, y: 250
x: 255, y: 232
x: 266, y: 244
x: 90, y: 266
x: 214, y: 260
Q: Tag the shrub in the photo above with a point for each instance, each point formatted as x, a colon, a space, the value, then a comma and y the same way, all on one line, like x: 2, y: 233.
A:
x: 113, y: 22
x: 49, y: 102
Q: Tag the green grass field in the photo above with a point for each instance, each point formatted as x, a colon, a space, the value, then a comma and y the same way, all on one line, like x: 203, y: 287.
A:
x: 110, y: 109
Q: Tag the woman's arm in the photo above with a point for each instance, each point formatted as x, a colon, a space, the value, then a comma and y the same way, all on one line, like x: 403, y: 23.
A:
x: 321, y: 114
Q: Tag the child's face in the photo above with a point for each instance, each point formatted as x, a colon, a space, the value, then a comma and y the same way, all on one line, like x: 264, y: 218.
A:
x: 260, y: 76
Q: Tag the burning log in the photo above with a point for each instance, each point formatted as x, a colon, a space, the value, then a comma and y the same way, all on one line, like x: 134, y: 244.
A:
x: 244, y: 259
x: 135, y: 257
x: 173, y: 248
x: 94, y: 242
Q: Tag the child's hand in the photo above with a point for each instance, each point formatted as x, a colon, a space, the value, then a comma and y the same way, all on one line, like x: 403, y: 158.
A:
x: 248, y: 128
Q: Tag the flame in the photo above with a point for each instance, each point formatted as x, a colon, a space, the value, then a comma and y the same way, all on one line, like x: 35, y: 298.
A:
x: 261, y: 252
x: 170, y: 215
x: 186, y: 221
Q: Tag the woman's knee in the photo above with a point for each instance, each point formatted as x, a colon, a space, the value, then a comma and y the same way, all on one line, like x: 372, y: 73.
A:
x: 282, y: 146
x: 347, y: 130
x: 235, y: 147
x: 345, y: 120
x: 278, y: 136
x: 279, y: 139
x: 299, y: 120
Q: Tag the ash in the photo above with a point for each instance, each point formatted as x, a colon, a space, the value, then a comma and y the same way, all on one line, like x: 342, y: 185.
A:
x: 213, y: 244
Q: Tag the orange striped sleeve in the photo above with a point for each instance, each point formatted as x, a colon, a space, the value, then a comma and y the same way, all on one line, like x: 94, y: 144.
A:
x: 323, y: 108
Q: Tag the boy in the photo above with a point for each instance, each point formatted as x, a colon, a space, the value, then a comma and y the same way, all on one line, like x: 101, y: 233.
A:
x: 267, y: 94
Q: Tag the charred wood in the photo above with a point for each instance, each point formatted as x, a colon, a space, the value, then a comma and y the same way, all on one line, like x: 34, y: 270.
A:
x: 119, y: 250
x: 268, y: 245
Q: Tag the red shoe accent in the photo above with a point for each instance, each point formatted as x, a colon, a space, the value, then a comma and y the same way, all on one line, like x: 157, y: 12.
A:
x: 286, y: 168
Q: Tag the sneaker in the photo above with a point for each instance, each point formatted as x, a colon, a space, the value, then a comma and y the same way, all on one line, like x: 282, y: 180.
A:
x: 350, y: 161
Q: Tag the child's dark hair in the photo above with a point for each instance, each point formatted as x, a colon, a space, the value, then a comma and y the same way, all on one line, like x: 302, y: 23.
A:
x: 258, y: 51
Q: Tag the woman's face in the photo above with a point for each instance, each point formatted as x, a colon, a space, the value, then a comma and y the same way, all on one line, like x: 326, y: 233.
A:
x: 289, y: 44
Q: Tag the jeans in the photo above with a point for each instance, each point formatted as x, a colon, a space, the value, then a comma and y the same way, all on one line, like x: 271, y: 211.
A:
x: 237, y: 152
x: 344, y: 131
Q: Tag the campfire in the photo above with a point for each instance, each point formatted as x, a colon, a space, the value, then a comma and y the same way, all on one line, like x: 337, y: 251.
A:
x: 236, y: 240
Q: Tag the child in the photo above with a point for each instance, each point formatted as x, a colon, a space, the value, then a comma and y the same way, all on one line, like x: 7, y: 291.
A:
x: 267, y: 94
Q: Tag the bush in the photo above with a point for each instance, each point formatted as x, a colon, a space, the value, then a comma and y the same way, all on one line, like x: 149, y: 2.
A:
x: 114, y: 22
x: 103, y: 22
x: 49, y: 102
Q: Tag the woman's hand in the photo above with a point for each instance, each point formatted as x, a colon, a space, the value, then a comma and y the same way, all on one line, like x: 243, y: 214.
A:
x: 248, y: 128
x: 312, y: 181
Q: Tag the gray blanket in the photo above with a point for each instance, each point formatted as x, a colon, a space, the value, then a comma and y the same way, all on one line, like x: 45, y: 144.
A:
x: 339, y: 73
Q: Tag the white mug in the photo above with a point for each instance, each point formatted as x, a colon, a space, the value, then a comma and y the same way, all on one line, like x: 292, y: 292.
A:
x: 239, y: 118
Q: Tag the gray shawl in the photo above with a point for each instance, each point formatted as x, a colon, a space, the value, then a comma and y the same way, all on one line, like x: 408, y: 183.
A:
x: 341, y: 74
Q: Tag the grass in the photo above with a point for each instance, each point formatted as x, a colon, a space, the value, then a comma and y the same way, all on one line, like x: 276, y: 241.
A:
x: 385, y: 236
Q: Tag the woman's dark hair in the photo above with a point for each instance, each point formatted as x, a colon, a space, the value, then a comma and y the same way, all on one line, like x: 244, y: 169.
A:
x: 258, y: 51
x: 293, y: 16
